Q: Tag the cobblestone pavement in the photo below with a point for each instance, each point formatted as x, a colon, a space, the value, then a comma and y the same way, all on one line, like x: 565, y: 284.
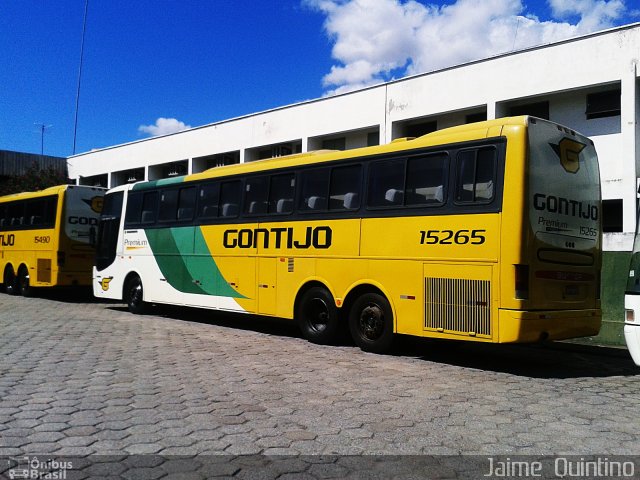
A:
x: 79, y: 378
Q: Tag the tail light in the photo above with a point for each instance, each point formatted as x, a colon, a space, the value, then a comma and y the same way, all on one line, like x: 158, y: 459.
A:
x: 629, y: 316
x: 61, y: 259
x: 522, y: 282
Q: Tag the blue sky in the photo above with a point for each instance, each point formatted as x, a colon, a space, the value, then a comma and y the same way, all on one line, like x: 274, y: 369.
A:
x: 200, y: 61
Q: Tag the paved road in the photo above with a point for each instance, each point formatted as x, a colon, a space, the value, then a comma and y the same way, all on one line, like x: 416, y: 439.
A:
x: 79, y: 378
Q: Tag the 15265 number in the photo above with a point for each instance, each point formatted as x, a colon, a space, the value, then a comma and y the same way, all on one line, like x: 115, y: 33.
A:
x: 451, y: 237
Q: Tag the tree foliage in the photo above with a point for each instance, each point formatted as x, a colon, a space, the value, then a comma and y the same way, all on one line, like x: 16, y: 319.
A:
x: 35, y: 178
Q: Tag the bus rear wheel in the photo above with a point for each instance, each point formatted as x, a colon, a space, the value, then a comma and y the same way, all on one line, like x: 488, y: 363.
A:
x: 318, y: 316
x: 134, y: 294
x: 371, y: 323
x: 24, y: 284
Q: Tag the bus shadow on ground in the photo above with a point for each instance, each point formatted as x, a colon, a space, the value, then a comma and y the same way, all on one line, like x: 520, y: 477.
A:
x: 552, y: 360
x: 67, y: 295
x: 256, y: 323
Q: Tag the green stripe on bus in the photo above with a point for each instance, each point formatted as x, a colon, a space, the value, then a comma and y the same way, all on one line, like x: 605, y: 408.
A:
x: 163, y: 182
x: 183, y: 258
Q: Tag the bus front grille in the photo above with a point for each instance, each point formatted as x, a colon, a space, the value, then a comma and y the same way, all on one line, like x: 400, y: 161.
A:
x: 458, y: 306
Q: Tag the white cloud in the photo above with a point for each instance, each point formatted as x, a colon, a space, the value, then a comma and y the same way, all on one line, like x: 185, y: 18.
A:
x: 376, y: 39
x: 163, y: 126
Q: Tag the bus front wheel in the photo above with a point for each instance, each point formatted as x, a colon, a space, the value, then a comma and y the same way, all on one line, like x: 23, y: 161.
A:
x: 318, y: 316
x: 10, y: 283
x: 134, y: 294
x: 371, y: 323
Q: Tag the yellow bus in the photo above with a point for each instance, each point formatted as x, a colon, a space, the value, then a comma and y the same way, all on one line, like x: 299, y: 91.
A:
x: 488, y: 232
x: 45, y: 237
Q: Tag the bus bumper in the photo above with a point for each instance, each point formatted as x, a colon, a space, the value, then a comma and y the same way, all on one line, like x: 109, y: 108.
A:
x: 516, y: 326
x: 632, y: 337
x: 632, y: 326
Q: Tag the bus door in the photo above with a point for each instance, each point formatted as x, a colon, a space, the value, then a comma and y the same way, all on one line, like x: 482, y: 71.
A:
x: 267, y: 285
x: 109, y: 230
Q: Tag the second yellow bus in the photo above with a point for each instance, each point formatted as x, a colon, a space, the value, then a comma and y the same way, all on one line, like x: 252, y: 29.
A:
x: 46, y: 237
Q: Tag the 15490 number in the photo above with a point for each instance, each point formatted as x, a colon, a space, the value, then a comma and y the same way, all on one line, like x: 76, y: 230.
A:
x: 451, y: 237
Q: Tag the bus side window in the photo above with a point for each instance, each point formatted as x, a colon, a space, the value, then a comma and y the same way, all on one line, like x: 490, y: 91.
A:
x: 186, y: 204
x: 255, y: 195
x: 229, y: 199
x: 16, y: 213
x: 35, y: 212
x: 314, y: 191
x: 50, y: 212
x: 486, y: 173
x: 346, y: 183
x: 168, y: 205
x: 281, y: 193
x: 208, y: 201
x: 134, y: 208
x: 149, y: 208
x: 426, y: 179
x: 386, y: 183
x: 476, y: 170
x: 3, y: 216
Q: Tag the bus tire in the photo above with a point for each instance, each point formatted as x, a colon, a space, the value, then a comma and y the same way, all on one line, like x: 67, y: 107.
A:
x: 23, y: 281
x: 371, y: 323
x: 318, y: 316
x: 134, y: 294
x: 10, y: 281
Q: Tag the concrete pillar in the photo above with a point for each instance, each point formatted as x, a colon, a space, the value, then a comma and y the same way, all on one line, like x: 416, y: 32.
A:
x: 492, y: 107
x: 628, y: 125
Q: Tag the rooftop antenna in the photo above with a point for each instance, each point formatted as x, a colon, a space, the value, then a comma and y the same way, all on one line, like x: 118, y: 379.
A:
x: 515, y: 37
x: 84, y: 29
x: 42, y: 127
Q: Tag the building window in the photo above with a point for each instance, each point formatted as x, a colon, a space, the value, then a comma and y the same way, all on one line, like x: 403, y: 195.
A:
x: 603, y: 104
x: 476, y: 117
x: 419, y: 129
x: 538, y: 109
x: 339, y: 143
x: 612, y: 215
x: 373, y: 139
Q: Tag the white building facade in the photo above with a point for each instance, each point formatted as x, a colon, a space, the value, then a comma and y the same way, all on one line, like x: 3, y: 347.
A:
x: 590, y: 84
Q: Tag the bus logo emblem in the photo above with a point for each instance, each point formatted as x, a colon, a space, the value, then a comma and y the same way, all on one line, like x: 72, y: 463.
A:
x: 569, y: 152
x: 94, y: 203
x: 104, y: 283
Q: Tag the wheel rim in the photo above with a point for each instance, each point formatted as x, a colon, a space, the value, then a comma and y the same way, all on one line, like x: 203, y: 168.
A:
x: 24, y: 282
x: 317, y: 314
x: 371, y: 322
x: 9, y: 282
